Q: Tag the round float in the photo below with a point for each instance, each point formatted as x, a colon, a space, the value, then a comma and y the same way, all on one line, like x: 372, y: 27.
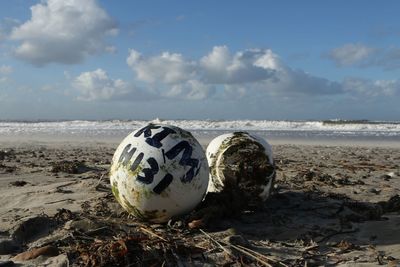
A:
x: 243, y: 161
x: 159, y: 171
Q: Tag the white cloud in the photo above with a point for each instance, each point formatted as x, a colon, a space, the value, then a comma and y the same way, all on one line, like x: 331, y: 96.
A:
x: 220, y: 67
x: 174, y: 76
x: 351, y: 54
x: 62, y: 32
x: 96, y: 85
x: 192, y: 90
x: 253, y: 73
x: 166, y: 68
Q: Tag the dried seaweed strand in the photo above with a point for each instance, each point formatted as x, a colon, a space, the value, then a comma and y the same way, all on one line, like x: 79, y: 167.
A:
x: 217, y: 243
x: 153, y: 234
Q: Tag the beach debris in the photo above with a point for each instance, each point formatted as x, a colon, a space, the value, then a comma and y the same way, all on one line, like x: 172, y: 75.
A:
x: 71, y: 167
x: 346, y: 246
x: 241, y: 160
x: 314, y: 219
x: 143, y: 247
x: 18, y: 183
x: 36, y: 252
x: 109, y: 252
x: 242, y: 173
x: 243, y: 249
x: 159, y: 171
x: 63, y: 215
x: 216, y: 206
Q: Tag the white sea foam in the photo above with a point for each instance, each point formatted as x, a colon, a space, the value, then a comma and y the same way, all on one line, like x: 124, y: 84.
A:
x: 117, y: 127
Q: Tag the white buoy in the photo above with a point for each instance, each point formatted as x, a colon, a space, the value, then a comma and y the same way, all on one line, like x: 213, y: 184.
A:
x: 242, y: 160
x: 158, y: 172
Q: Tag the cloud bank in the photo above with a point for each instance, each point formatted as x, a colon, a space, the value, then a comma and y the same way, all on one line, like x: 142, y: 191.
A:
x: 63, y: 32
x: 242, y: 73
x: 221, y: 74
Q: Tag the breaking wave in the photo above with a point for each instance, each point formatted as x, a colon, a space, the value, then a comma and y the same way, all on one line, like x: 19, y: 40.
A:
x: 120, y: 127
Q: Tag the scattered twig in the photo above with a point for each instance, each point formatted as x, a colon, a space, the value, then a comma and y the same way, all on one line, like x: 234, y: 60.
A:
x: 262, y: 255
x: 311, y: 247
x: 67, y: 184
x: 57, y: 201
x: 99, y: 181
x: 254, y: 257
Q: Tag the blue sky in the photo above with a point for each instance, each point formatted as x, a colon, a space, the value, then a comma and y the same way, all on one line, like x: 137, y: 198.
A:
x: 123, y: 59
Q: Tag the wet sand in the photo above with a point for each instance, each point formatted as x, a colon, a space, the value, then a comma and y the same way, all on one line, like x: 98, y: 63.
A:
x: 334, y: 204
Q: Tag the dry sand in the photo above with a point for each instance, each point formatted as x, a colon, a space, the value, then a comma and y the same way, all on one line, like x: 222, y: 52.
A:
x: 333, y: 205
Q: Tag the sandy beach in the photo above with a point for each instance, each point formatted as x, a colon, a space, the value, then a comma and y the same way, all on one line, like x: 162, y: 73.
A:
x: 333, y: 205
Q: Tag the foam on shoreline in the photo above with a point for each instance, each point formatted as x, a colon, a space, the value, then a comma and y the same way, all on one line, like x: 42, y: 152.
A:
x: 348, y: 133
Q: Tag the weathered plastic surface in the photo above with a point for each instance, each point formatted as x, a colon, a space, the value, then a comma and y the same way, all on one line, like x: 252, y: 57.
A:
x: 158, y: 172
x: 239, y: 158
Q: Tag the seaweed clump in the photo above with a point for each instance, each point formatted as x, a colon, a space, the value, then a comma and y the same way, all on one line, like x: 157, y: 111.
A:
x: 71, y: 167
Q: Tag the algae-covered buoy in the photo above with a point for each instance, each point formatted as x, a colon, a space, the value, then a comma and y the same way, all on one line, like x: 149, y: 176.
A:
x: 158, y: 172
x: 242, y: 161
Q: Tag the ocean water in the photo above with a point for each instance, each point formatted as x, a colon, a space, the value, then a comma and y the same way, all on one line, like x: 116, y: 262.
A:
x: 115, y: 130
